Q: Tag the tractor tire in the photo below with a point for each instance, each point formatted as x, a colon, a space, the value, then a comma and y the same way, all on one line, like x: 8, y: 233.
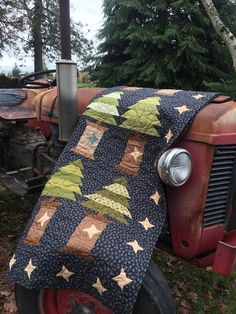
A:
x: 153, y: 298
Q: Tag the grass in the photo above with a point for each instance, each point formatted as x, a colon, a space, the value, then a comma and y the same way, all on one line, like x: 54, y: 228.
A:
x: 79, y: 85
x: 195, y: 290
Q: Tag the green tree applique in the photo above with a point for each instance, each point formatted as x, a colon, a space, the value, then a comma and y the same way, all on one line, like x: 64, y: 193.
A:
x: 112, y: 201
x: 66, y: 181
x: 143, y: 116
x: 104, y: 109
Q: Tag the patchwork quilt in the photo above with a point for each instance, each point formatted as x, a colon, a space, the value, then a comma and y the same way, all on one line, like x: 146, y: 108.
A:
x: 101, y: 212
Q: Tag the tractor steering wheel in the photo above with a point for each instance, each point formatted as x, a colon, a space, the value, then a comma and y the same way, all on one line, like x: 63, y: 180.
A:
x: 26, y: 80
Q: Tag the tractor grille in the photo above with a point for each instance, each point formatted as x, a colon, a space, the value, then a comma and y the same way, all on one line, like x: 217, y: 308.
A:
x: 219, y: 185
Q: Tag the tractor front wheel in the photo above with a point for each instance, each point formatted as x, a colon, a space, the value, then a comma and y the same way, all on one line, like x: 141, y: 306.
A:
x: 153, y: 298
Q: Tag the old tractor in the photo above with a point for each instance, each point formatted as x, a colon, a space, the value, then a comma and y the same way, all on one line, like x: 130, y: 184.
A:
x: 201, y: 225
x: 36, y: 121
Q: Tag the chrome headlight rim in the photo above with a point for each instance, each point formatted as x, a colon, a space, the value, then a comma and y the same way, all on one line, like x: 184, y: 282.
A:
x: 164, y: 163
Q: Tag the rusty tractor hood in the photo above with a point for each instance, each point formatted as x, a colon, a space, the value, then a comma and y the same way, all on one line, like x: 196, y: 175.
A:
x: 214, y: 124
x: 16, y: 104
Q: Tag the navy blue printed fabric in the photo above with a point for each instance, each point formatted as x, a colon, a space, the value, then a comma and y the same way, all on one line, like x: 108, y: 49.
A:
x: 97, y: 221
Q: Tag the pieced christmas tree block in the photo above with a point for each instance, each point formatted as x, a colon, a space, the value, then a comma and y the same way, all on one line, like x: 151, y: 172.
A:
x: 133, y: 155
x: 41, y: 220
x: 143, y: 116
x: 104, y: 109
x: 66, y: 181
x: 112, y: 201
x: 90, y: 139
x: 85, y: 236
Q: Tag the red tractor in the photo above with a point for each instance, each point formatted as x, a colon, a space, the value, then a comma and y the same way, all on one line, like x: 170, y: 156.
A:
x: 201, y: 225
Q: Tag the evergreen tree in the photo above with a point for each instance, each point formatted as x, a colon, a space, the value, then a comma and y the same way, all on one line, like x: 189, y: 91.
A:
x: 105, y: 108
x: 111, y: 201
x: 35, y: 25
x: 142, y: 116
x: 66, y: 181
x: 11, y: 25
x: 160, y: 43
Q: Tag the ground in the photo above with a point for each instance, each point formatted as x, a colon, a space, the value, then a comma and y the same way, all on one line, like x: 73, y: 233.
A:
x: 195, y: 290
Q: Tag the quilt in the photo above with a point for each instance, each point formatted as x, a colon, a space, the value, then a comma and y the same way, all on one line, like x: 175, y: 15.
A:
x: 102, y: 211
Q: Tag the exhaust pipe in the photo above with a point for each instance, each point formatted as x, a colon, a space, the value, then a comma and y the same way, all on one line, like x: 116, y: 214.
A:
x: 67, y: 97
x: 65, y: 29
x: 66, y: 77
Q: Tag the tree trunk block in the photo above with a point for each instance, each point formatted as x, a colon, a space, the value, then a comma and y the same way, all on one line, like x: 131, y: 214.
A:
x: 43, y: 217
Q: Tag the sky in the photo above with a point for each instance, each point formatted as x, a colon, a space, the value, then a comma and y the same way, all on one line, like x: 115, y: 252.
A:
x: 89, y: 12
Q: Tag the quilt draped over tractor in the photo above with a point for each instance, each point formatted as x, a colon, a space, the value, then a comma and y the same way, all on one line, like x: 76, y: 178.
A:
x: 103, y: 209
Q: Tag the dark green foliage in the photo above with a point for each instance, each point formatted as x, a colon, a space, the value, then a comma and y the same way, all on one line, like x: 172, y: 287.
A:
x: 6, y: 82
x: 228, y: 87
x: 10, y: 24
x: 160, y: 43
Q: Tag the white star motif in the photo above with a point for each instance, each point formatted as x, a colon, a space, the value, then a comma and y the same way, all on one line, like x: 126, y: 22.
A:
x: 198, y: 96
x: 122, y: 279
x: 136, y: 154
x: 65, y: 273
x: 146, y: 224
x: 91, y: 231
x: 12, y: 261
x: 44, y: 219
x: 30, y: 268
x: 168, y: 136
x: 182, y: 109
x: 135, y: 246
x: 98, y: 285
x: 156, y: 197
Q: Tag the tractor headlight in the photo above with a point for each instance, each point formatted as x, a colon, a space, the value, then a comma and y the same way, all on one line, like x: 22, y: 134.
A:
x: 174, y: 166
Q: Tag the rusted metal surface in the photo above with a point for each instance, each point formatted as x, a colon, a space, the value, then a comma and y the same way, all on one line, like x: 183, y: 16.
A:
x: 186, y: 203
x: 214, y: 124
x: 225, y: 258
x: 47, y: 107
x: 23, y: 111
x: 221, y: 99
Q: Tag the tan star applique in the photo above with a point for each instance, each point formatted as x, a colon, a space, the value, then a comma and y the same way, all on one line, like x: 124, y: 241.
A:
x: 136, y: 154
x: 30, y: 268
x: 98, y: 285
x: 146, y: 224
x: 198, y: 96
x: 122, y: 279
x: 65, y: 273
x: 156, y: 197
x: 135, y: 246
x: 168, y: 92
x: 44, y: 219
x: 12, y: 261
x: 168, y: 136
x: 92, y: 231
x: 182, y: 109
